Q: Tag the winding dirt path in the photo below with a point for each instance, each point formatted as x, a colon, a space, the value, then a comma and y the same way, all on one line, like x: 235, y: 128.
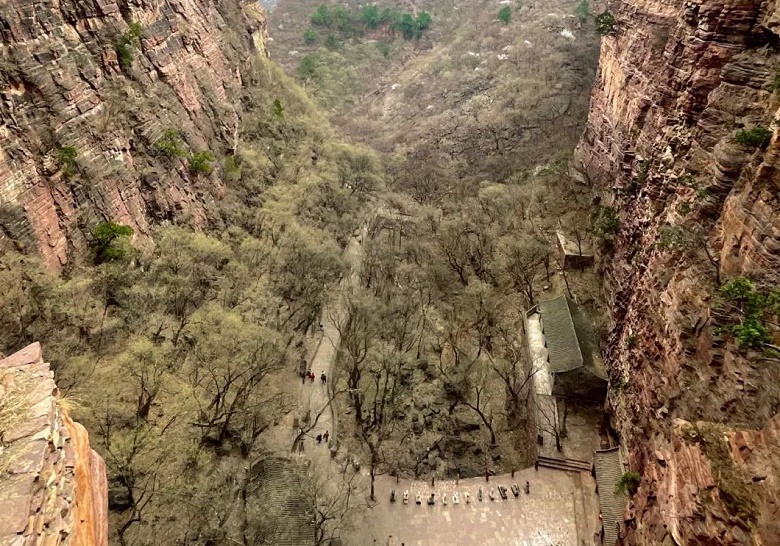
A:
x: 316, y: 396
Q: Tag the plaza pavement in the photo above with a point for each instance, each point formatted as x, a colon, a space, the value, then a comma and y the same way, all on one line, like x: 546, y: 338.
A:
x: 560, y: 510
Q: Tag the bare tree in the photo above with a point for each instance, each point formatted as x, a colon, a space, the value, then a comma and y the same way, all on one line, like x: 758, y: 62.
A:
x: 546, y: 410
x: 426, y: 179
x: 510, y: 363
x: 380, y: 393
x: 523, y: 260
x: 478, y: 399
x: 336, y: 500
x: 455, y: 241
x: 467, y: 380
x: 311, y: 424
x: 355, y: 321
x: 135, y: 462
x: 230, y: 375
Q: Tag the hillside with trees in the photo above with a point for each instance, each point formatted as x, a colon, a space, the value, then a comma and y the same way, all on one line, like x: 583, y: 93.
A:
x: 285, y: 265
x: 178, y: 356
x: 483, y: 97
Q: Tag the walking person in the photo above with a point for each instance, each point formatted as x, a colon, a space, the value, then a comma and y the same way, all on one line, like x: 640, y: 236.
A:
x: 527, y: 488
x: 323, y: 378
x: 319, y: 438
x: 326, y: 436
x: 311, y: 377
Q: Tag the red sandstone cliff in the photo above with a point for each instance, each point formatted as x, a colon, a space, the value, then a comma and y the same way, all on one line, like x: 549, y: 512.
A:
x: 61, y: 86
x: 696, y: 414
x: 53, y: 487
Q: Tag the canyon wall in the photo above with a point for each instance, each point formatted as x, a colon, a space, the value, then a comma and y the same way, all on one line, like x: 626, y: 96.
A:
x: 53, y: 488
x: 88, y: 87
x: 698, y: 204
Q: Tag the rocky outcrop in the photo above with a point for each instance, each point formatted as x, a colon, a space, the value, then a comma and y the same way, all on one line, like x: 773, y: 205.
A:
x: 677, y: 83
x: 53, y: 488
x: 87, y: 87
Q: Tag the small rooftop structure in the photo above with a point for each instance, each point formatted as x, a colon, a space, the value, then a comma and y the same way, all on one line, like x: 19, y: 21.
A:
x: 574, y: 255
x: 573, y: 358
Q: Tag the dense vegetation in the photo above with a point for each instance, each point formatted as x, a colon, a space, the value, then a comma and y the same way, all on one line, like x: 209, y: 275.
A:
x: 357, y: 22
x: 751, y: 308
x: 754, y: 137
x: 178, y: 356
x: 473, y: 96
x: 505, y: 15
x: 606, y: 24
x: 333, y: 27
x: 125, y: 45
x: 434, y: 333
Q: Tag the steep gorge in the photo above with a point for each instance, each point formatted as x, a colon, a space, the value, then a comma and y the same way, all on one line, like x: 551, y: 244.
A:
x: 677, y: 83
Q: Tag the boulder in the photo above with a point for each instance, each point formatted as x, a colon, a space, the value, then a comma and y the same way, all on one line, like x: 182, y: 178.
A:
x: 456, y: 446
x: 465, y: 423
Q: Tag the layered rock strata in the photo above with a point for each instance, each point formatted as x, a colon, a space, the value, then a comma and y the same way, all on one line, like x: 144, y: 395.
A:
x: 53, y: 488
x: 680, y: 85
x: 88, y: 87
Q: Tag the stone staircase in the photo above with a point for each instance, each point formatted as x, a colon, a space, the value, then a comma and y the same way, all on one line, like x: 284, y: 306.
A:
x: 284, y: 507
x: 608, y: 472
x: 568, y: 465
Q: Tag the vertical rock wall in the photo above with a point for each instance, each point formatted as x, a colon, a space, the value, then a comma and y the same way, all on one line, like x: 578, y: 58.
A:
x: 62, y: 87
x: 53, y: 488
x: 676, y: 82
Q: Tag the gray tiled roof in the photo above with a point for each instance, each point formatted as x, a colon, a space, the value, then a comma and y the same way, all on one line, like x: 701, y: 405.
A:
x: 569, y: 337
x: 608, y: 472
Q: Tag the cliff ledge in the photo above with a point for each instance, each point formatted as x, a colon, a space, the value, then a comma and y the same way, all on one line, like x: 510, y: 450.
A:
x: 53, y: 488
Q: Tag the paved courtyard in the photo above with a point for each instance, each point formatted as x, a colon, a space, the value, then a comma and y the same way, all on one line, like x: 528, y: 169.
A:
x: 560, y: 510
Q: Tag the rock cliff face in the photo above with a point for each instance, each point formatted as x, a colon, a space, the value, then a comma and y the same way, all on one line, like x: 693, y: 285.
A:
x: 677, y: 81
x: 87, y: 87
x: 53, y: 488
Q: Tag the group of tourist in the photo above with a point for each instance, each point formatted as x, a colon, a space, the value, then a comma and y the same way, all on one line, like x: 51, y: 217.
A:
x: 321, y: 437
x: 310, y: 376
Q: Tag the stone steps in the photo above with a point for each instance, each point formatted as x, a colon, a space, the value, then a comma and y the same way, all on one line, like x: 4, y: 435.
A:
x: 282, y: 489
x: 608, y: 472
x: 568, y: 465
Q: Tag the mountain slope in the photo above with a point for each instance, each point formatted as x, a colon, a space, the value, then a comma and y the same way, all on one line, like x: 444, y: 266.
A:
x: 90, y: 87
